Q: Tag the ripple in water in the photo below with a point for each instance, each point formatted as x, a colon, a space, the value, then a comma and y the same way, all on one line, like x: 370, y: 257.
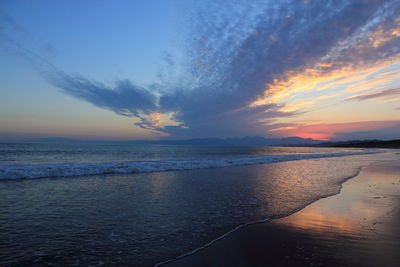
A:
x: 146, y: 218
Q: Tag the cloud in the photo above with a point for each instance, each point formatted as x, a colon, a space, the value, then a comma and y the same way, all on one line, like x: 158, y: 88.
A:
x: 234, y: 64
x: 343, y: 131
x: 238, y: 53
x: 11, y: 34
x: 380, y: 94
x: 124, y: 98
x: 384, y: 133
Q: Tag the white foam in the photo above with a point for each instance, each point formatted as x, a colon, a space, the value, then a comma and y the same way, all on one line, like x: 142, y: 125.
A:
x: 80, y: 169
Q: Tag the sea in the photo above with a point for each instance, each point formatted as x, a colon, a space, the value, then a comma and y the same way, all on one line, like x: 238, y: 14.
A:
x: 105, y: 204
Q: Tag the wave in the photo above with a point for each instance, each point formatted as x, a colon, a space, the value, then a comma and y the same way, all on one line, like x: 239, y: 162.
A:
x: 184, y: 255
x: 82, y: 169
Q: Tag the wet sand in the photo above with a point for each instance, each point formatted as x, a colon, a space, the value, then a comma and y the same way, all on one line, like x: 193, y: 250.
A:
x: 358, y: 227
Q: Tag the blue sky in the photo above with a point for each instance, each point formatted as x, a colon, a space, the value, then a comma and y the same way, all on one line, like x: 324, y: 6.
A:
x: 97, y: 38
x: 184, y: 69
x: 124, y: 40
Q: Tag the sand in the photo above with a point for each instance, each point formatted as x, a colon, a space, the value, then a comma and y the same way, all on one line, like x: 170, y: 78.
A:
x: 358, y: 227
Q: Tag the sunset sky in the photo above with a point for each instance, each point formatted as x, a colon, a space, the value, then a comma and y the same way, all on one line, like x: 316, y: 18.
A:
x: 121, y: 70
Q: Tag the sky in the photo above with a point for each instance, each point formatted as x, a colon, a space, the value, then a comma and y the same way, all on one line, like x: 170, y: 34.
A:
x: 124, y: 70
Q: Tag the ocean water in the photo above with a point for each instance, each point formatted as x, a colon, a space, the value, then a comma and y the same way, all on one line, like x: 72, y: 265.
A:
x: 53, y: 153
x: 38, y: 160
x: 141, y: 217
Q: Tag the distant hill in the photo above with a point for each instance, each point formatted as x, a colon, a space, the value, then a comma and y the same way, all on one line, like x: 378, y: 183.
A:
x: 57, y: 140
x: 244, y: 141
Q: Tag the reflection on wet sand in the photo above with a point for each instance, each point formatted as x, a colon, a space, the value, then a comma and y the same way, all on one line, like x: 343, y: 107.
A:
x: 363, y: 217
x: 362, y: 202
x: 358, y: 227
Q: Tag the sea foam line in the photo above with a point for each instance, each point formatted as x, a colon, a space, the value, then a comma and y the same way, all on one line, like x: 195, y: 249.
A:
x: 194, y: 251
x: 81, y: 169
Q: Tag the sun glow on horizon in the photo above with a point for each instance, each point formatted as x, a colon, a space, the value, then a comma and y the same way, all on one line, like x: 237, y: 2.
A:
x: 290, y: 68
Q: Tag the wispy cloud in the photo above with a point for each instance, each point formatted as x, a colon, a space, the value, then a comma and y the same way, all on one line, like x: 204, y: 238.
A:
x: 381, y: 94
x: 12, y: 34
x: 244, y: 60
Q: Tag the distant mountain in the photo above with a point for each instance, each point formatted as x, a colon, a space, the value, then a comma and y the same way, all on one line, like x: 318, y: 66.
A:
x: 56, y: 140
x: 244, y: 141
x: 261, y: 141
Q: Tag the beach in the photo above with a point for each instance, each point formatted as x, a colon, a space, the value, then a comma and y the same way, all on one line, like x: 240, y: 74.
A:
x: 120, y: 218
x: 357, y: 227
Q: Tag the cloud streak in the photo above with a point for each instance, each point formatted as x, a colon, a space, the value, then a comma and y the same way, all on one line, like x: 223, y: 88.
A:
x: 242, y: 60
x: 124, y: 98
x: 382, y: 94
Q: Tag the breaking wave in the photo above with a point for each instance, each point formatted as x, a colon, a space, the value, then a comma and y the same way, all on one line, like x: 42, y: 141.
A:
x: 82, y: 169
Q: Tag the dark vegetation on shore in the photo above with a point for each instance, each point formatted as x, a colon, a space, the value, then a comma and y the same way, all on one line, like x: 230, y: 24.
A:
x: 367, y: 144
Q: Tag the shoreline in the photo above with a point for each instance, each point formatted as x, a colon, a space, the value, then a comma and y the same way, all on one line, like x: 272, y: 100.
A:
x: 252, y: 234
x: 145, y: 219
x: 261, y: 221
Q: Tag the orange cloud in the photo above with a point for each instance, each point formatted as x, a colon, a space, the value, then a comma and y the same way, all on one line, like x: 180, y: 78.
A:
x: 296, y: 106
x: 324, y: 97
x: 160, y: 120
x: 328, y: 77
